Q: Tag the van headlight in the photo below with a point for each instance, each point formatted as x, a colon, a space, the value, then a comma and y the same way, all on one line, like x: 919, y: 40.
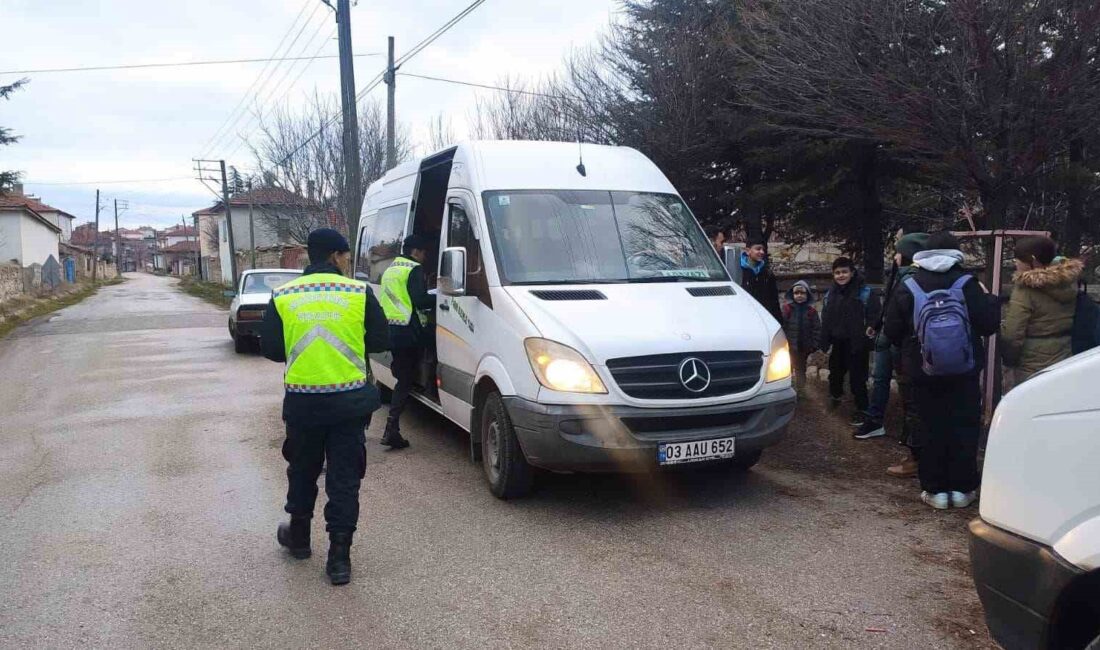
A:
x: 779, y: 361
x: 561, y: 368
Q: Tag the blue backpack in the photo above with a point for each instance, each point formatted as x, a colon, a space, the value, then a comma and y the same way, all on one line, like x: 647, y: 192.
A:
x: 942, y: 324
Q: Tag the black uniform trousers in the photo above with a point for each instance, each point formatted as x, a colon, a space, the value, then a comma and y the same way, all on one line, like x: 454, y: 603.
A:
x: 306, y: 449
x: 405, y: 368
x: 851, y: 360
x: 951, y: 412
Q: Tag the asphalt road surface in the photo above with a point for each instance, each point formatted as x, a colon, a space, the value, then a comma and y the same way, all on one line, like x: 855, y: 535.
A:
x: 141, y: 483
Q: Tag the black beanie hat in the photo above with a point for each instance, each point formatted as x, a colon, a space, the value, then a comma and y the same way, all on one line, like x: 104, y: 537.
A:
x: 324, y: 242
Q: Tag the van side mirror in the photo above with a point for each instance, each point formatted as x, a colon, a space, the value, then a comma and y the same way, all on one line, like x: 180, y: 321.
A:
x: 732, y: 261
x: 452, y: 272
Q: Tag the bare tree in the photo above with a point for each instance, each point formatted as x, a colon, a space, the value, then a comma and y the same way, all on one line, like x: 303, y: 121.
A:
x: 302, y: 153
x: 441, y: 133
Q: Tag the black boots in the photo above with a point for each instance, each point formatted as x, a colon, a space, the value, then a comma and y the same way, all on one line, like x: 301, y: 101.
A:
x: 392, y: 436
x: 338, y: 566
x: 295, y: 537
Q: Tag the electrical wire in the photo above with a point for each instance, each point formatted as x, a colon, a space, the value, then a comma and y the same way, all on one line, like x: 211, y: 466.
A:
x: 258, y: 115
x: 416, y: 49
x: 181, y: 64
x: 114, y: 182
x: 234, y: 117
x: 515, y: 91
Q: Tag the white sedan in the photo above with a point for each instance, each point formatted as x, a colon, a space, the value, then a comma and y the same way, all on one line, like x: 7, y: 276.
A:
x: 246, y: 312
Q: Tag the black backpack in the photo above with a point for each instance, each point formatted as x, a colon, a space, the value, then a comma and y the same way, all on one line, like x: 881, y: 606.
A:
x: 1086, y: 322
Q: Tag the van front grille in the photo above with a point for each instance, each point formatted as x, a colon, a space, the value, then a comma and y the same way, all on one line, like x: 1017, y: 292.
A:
x: 657, y: 376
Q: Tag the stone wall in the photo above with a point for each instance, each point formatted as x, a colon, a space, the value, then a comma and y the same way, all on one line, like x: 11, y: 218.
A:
x: 11, y: 281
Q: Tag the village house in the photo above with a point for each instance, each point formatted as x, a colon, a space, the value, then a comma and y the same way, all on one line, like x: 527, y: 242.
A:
x: 26, y: 236
x: 278, y: 218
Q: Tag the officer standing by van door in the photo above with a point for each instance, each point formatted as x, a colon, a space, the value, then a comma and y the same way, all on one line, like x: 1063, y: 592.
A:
x: 407, y: 304
x: 323, y: 325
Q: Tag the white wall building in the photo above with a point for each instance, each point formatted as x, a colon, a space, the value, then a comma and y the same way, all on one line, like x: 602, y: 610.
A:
x: 26, y: 237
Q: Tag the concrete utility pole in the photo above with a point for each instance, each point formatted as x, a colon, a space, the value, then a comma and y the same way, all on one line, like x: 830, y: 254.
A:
x: 229, y: 226
x: 118, y: 242
x: 353, y: 195
x: 95, y: 240
x: 251, y: 225
x: 391, y: 103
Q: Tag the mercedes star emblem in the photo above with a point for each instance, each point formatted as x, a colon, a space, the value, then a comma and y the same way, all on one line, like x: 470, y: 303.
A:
x: 694, y: 375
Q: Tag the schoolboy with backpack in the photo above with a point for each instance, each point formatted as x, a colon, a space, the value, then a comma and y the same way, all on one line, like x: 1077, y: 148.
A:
x: 938, y: 319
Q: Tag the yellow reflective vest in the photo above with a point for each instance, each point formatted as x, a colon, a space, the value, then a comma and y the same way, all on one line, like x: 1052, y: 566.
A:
x: 323, y: 329
x: 395, y: 301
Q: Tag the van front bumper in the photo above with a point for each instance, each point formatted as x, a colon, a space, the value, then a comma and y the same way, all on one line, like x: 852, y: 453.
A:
x: 1019, y: 582
x: 613, y: 438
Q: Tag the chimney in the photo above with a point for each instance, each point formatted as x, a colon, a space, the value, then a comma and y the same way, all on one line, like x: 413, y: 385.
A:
x: 17, y: 189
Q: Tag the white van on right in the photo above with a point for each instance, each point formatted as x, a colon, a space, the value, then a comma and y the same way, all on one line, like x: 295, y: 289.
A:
x: 1035, y: 548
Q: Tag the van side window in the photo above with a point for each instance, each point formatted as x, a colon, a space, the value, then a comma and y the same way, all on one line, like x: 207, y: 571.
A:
x: 460, y: 233
x: 362, y: 255
x: 385, y: 240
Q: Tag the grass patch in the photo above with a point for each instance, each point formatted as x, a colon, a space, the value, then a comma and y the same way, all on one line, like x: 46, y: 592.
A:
x: 211, y: 292
x: 17, y: 311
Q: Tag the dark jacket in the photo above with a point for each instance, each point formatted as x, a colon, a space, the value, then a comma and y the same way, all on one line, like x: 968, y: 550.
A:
x: 849, y: 310
x: 1038, y: 321
x: 801, y: 323
x: 981, y: 308
x: 308, y: 410
x: 760, y: 282
x: 882, y: 342
x: 414, y: 334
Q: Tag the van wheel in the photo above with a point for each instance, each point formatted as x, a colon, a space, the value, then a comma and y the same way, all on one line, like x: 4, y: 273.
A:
x: 384, y: 394
x: 506, y: 469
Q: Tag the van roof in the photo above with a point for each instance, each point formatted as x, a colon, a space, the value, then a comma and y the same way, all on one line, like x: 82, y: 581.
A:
x: 519, y: 164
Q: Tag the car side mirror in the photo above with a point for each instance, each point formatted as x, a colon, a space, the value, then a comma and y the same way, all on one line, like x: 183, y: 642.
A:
x: 362, y: 277
x: 229, y: 293
x: 452, y: 272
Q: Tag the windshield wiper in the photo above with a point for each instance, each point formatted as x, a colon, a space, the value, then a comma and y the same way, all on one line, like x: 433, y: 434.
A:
x: 669, y: 278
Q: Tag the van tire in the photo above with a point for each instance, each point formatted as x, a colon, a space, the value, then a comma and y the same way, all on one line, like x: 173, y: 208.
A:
x: 506, y: 468
x: 384, y: 394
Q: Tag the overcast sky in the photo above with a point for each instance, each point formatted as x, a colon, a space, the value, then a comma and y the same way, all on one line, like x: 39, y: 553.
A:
x: 149, y: 124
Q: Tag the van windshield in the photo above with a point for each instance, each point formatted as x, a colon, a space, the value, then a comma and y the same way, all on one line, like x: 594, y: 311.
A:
x: 592, y: 237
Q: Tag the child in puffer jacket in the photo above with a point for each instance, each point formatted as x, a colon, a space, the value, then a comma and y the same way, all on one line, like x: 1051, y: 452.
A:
x: 801, y: 324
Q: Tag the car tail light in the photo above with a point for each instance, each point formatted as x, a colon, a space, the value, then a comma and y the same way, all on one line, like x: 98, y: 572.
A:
x: 250, y: 314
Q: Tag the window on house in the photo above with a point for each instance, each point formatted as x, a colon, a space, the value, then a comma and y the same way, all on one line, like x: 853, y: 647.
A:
x: 224, y: 231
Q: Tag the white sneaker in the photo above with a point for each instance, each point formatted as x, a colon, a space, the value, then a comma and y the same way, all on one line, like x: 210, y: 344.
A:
x: 963, y: 499
x: 939, y: 500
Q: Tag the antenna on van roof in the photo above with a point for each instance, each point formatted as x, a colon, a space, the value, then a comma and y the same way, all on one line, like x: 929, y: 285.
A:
x: 580, y: 149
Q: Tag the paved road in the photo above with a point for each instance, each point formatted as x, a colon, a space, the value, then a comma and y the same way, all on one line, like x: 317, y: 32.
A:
x: 140, y: 484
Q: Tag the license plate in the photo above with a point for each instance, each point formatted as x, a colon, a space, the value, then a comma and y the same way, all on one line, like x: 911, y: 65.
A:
x: 673, y: 453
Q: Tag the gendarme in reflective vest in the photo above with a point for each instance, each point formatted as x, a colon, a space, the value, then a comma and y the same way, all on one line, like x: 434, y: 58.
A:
x: 323, y: 328
x: 395, y: 301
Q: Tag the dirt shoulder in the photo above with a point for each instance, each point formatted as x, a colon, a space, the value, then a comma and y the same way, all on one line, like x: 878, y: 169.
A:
x: 819, y: 447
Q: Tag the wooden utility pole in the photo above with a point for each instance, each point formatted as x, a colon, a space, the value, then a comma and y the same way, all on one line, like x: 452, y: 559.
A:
x: 251, y: 225
x: 353, y: 195
x: 391, y: 108
x: 229, y: 226
x: 95, y: 240
x: 118, y: 242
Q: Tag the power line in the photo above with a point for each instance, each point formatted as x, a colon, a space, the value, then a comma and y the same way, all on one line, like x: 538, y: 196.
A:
x: 416, y: 49
x: 258, y: 115
x: 235, y: 116
x: 439, y: 32
x: 486, y: 86
x: 181, y: 64
x: 113, y: 182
